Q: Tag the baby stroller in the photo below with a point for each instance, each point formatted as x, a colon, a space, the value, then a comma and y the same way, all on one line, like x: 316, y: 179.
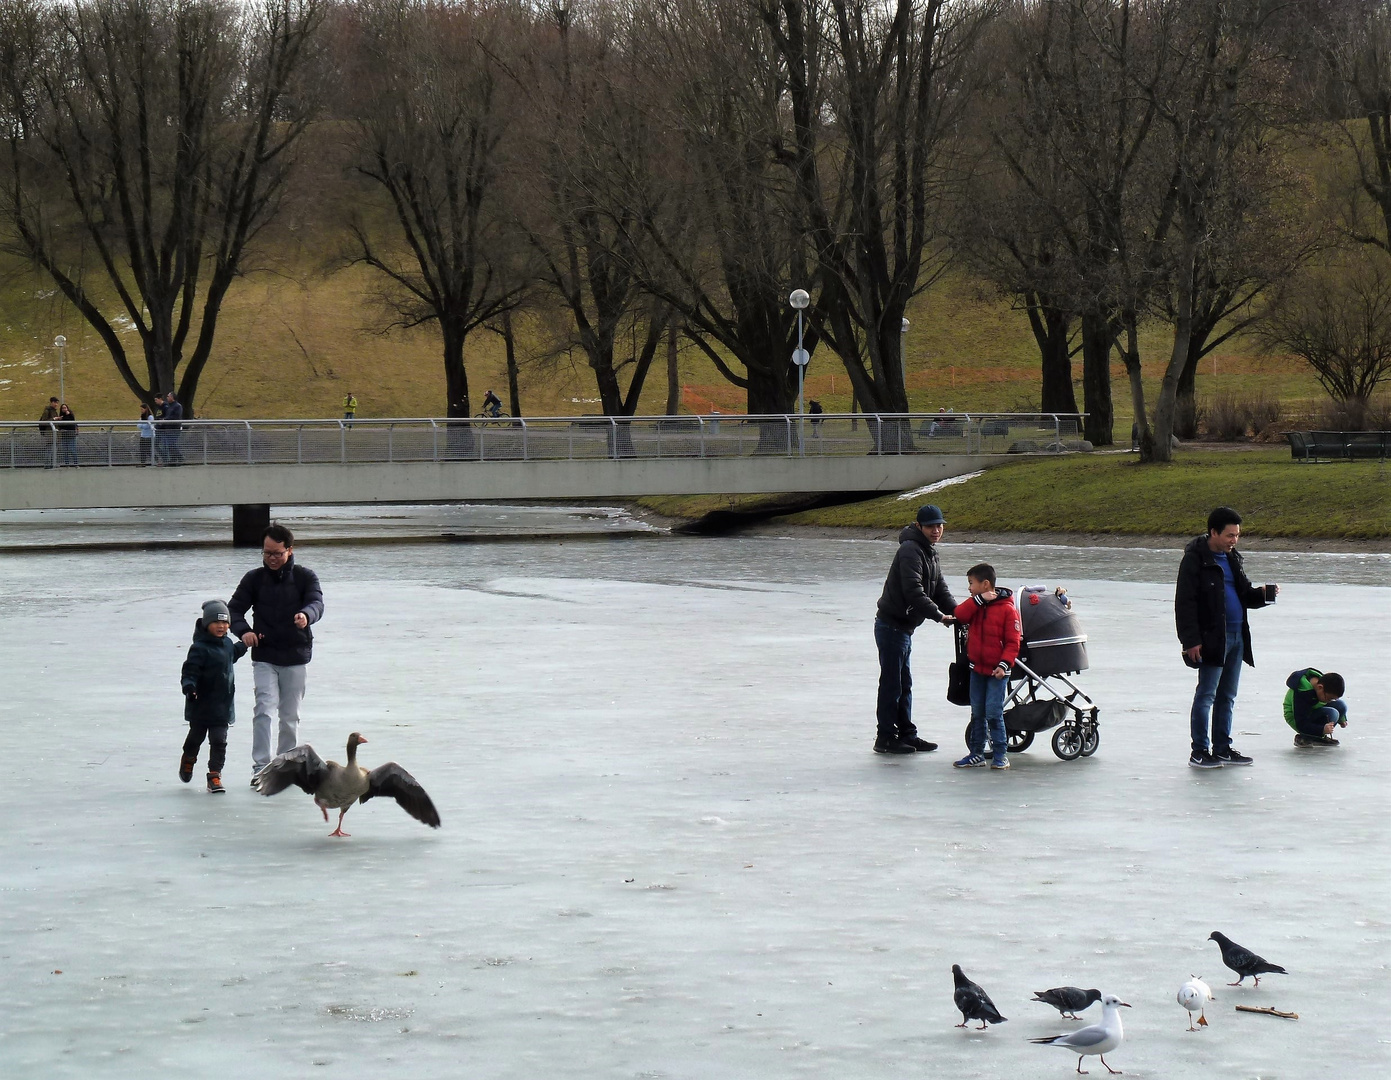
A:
x: 1054, y: 647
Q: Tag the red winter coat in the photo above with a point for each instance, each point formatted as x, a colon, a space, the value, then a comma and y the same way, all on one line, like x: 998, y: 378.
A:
x: 995, y: 631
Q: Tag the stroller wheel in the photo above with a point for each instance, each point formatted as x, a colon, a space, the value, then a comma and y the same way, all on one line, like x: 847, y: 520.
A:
x: 1091, y: 739
x: 1067, y: 742
x: 1018, y: 741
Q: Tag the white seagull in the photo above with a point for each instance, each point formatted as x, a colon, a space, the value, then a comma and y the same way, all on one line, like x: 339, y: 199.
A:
x: 1099, y: 1039
x: 1195, y: 994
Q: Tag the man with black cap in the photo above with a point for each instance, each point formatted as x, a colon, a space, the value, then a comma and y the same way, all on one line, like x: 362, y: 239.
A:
x: 914, y: 592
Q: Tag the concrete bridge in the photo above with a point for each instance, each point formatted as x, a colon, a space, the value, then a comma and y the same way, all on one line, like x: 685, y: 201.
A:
x: 252, y: 465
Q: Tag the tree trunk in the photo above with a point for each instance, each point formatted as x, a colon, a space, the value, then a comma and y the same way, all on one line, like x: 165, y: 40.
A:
x: 673, y: 376
x: 1096, y: 377
x: 509, y: 342
x: 1051, y: 328
x: 1168, y: 388
x: 1140, y: 432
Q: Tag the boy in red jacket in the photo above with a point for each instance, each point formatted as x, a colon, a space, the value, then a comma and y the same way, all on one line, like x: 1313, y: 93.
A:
x: 992, y: 646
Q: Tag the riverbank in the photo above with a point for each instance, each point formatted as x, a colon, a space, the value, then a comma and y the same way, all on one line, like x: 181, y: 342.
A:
x: 1106, y: 499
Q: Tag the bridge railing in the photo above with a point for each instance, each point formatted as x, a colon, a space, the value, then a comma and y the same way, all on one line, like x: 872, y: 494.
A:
x: 110, y: 443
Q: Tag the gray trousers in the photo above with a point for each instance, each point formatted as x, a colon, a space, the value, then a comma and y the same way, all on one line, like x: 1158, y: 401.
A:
x: 278, y: 690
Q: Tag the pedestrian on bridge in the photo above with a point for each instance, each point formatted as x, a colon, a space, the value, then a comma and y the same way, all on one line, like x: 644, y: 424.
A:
x: 914, y: 593
x: 287, y: 600
x: 171, y: 424
x: 349, y: 407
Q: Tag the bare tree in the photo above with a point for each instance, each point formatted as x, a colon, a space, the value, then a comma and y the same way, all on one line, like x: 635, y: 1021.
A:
x: 587, y: 111
x: 876, y: 93
x: 429, y: 132
x: 1339, y: 322
x: 147, y: 144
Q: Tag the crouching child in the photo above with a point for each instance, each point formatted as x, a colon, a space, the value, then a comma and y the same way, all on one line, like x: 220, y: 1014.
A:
x: 992, y: 646
x: 209, y: 692
x: 1313, y: 704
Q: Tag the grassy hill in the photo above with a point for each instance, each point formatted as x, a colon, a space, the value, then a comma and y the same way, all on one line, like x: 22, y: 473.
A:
x: 294, y: 338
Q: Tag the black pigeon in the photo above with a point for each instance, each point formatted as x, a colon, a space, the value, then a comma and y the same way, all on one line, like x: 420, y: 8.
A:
x: 1068, y: 1000
x: 1243, y: 961
x: 974, y: 1003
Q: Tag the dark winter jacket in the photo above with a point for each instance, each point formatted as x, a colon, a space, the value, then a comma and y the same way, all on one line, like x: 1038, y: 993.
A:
x: 277, y: 596
x: 1200, y: 602
x: 208, y: 673
x: 914, y: 590
x: 995, y: 632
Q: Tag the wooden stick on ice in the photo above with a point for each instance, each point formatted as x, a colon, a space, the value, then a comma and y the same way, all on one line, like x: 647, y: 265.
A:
x: 1268, y: 1012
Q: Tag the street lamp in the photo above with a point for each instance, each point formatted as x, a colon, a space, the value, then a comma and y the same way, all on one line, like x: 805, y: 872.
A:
x: 61, y: 344
x: 799, y: 300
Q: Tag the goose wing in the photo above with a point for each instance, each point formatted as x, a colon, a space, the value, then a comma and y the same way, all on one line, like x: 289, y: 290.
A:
x: 393, y: 781
x: 300, y: 766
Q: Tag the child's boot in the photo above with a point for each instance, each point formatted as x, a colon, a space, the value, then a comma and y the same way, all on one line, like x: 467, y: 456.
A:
x: 186, y: 764
x: 215, y: 783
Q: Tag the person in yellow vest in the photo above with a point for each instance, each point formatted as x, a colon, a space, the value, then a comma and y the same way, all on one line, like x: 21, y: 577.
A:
x: 349, y: 407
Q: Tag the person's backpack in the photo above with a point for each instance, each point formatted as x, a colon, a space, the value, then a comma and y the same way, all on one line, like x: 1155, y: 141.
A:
x: 959, y: 672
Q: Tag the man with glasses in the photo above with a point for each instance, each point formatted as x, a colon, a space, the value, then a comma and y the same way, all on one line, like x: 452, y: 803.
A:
x: 287, y: 600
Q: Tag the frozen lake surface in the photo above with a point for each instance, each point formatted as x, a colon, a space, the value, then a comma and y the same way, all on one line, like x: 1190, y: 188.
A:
x: 667, y: 848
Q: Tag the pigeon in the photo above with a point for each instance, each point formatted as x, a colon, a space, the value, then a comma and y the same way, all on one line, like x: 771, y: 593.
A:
x: 1243, y: 961
x: 1099, y: 1039
x: 974, y: 1003
x: 1068, y: 1000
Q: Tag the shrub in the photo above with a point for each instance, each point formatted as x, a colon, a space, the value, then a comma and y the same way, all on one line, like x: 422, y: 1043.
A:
x: 1230, y: 418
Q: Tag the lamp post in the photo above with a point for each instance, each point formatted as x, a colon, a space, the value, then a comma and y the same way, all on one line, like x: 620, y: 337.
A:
x: 61, y: 344
x: 799, y: 300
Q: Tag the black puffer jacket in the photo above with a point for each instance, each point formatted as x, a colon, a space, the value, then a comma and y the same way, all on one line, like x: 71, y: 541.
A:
x: 1200, y: 602
x: 914, y: 590
x: 208, y: 673
x: 277, y: 597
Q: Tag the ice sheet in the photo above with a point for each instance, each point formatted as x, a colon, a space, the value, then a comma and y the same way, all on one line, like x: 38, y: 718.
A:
x: 667, y: 849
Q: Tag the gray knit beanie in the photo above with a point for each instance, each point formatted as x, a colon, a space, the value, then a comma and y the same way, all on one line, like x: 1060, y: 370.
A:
x: 215, y: 611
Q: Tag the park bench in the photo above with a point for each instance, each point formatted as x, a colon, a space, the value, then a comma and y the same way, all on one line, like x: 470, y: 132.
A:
x: 1338, y: 445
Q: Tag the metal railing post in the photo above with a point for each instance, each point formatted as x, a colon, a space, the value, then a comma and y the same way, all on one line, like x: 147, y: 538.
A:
x: 434, y: 442
x: 205, y: 445
x: 1057, y: 435
x: 390, y: 443
x: 249, y: 460
x: 342, y: 443
x: 701, y: 422
x: 110, y: 436
x: 613, y: 428
x: 299, y: 444
x: 526, y: 456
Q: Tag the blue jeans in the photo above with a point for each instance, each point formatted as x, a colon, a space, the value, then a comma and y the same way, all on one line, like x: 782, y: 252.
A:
x: 1216, y: 694
x: 1335, y: 712
x: 988, y: 709
x: 894, y: 712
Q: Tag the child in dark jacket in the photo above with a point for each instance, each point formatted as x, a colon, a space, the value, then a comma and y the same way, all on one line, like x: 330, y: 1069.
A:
x: 209, y: 692
x: 1313, y: 704
x: 992, y: 646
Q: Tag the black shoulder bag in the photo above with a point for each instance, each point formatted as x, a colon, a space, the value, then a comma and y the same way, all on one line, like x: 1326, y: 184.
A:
x: 959, y: 673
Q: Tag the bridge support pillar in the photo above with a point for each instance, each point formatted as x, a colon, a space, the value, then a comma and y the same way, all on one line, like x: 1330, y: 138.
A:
x: 249, y: 521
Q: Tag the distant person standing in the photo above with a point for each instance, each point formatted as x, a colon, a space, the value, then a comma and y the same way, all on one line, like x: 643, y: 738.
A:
x: 49, y: 430
x: 914, y: 592
x: 817, y: 415
x: 146, y: 428
x: 287, y: 600
x: 349, y: 407
x: 67, y: 434
x: 1210, y: 603
x: 171, y: 426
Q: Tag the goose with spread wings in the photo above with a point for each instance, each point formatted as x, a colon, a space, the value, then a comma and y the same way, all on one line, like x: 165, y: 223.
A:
x: 337, y: 787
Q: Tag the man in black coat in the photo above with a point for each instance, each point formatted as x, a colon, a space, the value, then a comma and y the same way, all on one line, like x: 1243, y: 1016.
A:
x: 287, y: 600
x: 914, y: 593
x: 1210, y: 604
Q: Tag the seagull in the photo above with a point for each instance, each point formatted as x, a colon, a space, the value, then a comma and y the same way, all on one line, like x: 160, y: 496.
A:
x: 1195, y: 994
x: 974, y: 1003
x: 1243, y: 961
x: 1099, y: 1039
x: 1068, y: 1000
